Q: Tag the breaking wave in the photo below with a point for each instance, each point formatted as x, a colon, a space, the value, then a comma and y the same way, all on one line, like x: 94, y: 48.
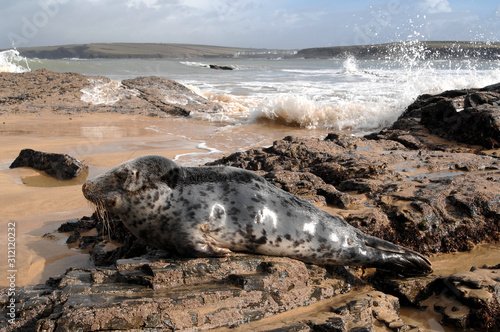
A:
x: 12, y: 62
x: 369, y: 104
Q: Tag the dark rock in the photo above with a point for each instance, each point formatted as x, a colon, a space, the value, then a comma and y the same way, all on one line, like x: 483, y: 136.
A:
x: 468, y: 299
x: 221, y: 67
x: 82, y: 224
x: 73, y: 237
x: 87, y: 241
x: 410, y: 291
x: 60, y: 166
x: 359, y: 312
x: 468, y: 116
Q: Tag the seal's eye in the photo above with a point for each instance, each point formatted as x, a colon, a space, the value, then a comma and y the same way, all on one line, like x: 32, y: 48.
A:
x: 122, y: 175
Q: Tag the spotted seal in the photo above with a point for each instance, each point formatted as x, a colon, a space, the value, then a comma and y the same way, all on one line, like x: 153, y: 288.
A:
x: 212, y: 211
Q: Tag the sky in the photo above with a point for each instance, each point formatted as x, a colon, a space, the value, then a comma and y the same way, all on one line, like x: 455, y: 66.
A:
x: 280, y: 24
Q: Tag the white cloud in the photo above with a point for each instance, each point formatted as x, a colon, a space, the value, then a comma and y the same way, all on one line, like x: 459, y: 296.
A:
x: 139, y: 3
x: 436, y: 6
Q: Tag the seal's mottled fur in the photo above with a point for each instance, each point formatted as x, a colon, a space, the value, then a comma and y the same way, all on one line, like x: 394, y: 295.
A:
x: 211, y: 211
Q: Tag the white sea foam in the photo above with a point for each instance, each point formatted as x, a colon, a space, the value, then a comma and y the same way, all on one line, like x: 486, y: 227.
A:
x: 197, y: 158
x: 101, y: 92
x: 195, y: 64
x: 203, y: 146
x: 307, y: 113
x: 12, y: 62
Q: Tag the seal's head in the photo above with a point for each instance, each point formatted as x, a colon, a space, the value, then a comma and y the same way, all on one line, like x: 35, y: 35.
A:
x: 115, y: 189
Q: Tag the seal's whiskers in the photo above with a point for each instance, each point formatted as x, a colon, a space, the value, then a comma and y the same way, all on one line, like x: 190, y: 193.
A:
x: 104, y: 216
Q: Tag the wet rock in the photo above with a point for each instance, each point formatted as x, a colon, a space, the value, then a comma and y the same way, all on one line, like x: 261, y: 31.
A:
x: 112, y: 240
x: 480, y: 291
x: 83, y: 224
x: 360, y: 313
x: 467, y: 299
x: 169, y: 96
x: 60, y: 166
x: 194, y: 294
x: 468, y: 116
x: 73, y: 237
x: 410, y: 291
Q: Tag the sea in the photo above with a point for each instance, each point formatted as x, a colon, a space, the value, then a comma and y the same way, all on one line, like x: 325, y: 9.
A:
x: 355, y: 95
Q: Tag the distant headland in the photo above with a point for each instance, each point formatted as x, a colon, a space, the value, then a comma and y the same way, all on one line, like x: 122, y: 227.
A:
x: 428, y: 50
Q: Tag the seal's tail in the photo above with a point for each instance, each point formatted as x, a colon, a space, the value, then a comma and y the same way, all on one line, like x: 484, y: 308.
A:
x: 395, y: 258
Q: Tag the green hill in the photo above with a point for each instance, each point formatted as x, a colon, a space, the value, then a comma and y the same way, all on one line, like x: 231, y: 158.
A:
x: 129, y: 50
x: 427, y: 50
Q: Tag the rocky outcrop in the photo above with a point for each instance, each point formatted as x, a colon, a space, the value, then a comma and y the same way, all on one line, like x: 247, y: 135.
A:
x: 156, y: 290
x: 187, y: 294
x: 403, y: 184
x: 467, y: 116
x: 467, y: 299
x: 169, y: 96
x: 218, y: 67
x: 43, y: 91
x: 60, y: 166
x: 431, y: 201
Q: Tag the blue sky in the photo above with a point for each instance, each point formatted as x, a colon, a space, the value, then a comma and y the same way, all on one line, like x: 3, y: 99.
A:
x: 285, y: 24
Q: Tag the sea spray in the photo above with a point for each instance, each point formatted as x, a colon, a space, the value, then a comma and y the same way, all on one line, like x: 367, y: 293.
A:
x: 103, y: 92
x: 12, y: 62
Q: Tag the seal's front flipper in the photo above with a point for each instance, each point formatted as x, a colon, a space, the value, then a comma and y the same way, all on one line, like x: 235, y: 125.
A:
x: 203, y: 249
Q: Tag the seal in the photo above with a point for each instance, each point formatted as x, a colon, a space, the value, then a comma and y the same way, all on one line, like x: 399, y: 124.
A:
x: 213, y: 211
